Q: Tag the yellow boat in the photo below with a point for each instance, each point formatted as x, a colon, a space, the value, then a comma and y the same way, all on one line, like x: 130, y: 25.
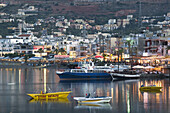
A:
x: 150, y: 88
x: 53, y: 95
x: 151, y: 91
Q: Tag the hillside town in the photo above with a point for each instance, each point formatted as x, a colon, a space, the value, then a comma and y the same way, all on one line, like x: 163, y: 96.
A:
x: 89, y: 56
x: 56, y: 38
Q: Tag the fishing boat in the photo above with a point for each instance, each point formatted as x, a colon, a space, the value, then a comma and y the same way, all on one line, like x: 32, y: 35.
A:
x: 53, y: 95
x: 80, y: 74
x: 151, y: 91
x: 92, y: 100
x: 49, y: 95
x: 86, y: 72
x: 150, y: 88
x: 125, y: 75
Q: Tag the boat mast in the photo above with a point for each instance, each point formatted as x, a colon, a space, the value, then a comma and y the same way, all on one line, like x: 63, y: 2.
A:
x: 118, y: 43
x: 45, y: 82
x: 132, y: 55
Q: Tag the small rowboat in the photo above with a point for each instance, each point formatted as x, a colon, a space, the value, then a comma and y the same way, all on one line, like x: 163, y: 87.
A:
x: 53, y: 95
x: 92, y: 100
x: 150, y: 88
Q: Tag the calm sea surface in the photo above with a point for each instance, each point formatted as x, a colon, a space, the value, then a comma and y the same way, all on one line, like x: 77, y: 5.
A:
x: 126, y: 97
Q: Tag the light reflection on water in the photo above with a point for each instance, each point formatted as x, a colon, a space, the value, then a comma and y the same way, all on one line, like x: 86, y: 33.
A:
x: 126, y: 96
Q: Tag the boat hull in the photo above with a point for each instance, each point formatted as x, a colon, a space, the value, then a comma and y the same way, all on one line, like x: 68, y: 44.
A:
x: 150, y: 88
x: 83, y: 100
x: 87, y: 76
x: 54, y: 95
x: 125, y: 76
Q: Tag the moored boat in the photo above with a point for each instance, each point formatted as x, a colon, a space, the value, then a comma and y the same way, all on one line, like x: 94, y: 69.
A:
x: 125, y: 75
x: 92, y: 100
x: 53, y: 95
x: 150, y: 88
x: 85, y: 72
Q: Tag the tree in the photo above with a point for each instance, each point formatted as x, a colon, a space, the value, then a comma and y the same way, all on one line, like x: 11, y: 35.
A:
x: 128, y: 42
x: 104, y: 56
x: 120, y: 52
x: 168, y: 47
x: 41, y: 51
x: 62, y: 51
x: 56, y: 51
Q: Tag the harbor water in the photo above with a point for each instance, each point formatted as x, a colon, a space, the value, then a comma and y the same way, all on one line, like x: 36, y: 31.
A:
x: 16, y: 83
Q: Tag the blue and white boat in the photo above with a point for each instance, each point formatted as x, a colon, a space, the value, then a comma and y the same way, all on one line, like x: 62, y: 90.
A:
x: 86, y: 71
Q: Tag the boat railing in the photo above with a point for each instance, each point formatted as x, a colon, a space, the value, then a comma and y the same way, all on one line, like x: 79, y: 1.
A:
x: 78, y: 70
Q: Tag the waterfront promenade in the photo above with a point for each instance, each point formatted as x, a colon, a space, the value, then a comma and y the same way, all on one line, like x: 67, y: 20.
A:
x: 62, y: 65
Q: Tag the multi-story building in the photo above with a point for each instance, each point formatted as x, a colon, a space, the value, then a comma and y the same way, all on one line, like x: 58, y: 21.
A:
x: 122, y: 22
x: 12, y: 44
x: 156, y: 46
x: 6, y: 46
x: 23, y: 48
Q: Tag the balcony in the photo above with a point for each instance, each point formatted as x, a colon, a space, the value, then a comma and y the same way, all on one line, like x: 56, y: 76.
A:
x: 154, y: 45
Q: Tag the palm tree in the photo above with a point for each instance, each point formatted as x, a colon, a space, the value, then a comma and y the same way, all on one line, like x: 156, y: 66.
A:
x: 104, y: 56
x: 41, y: 51
x: 56, y: 51
x: 128, y: 42
x: 120, y: 52
x: 63, y: 52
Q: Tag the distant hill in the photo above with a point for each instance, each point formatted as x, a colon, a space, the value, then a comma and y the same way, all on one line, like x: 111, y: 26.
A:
x: 87, y: 8
x: 85, y: 1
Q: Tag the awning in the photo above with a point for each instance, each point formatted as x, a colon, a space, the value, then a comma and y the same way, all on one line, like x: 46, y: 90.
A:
x: 98, y: 56
x: 6, y: 57
x: 61, y: 56
x: 15, y: 58
x: 1, y: 57
x: 35, y: 58
x: 138, y: 67
x: 52, y: 59
x: 149, y: 67
x: 21, y: 58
